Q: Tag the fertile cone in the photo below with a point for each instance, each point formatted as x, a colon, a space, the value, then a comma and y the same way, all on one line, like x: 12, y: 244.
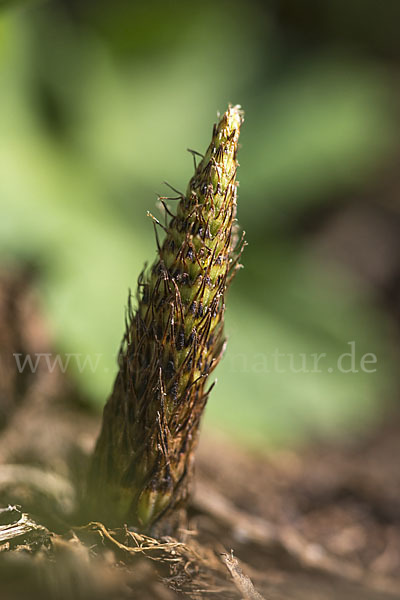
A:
x: 143, y: 458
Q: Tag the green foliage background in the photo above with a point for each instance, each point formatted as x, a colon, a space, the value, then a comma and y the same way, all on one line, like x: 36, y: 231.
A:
x: 98, y: 104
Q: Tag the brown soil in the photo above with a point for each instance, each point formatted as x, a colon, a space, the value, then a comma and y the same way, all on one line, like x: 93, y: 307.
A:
x: 319, y: 523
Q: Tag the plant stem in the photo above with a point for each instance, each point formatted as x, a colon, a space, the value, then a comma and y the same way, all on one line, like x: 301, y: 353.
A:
x: 143, y: 460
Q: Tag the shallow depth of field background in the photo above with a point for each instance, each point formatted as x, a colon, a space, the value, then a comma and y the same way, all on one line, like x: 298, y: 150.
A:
x: 98, y: 103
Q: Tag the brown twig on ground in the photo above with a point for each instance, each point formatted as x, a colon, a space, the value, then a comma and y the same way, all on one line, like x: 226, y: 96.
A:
x: 26, y: 527
x: 240, y: 579
x: 186, y: 568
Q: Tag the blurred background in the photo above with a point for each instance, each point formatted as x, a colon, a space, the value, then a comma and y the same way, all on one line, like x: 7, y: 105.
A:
x: 98, y: 103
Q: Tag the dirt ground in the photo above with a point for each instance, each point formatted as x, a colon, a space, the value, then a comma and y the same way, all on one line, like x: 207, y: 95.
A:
x: 321, y: 523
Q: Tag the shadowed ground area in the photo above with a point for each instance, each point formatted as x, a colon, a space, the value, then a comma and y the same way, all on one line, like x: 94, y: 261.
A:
x: 323, y: 522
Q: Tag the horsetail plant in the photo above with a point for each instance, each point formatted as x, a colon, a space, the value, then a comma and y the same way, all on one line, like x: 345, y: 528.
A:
x: 143, y: 460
